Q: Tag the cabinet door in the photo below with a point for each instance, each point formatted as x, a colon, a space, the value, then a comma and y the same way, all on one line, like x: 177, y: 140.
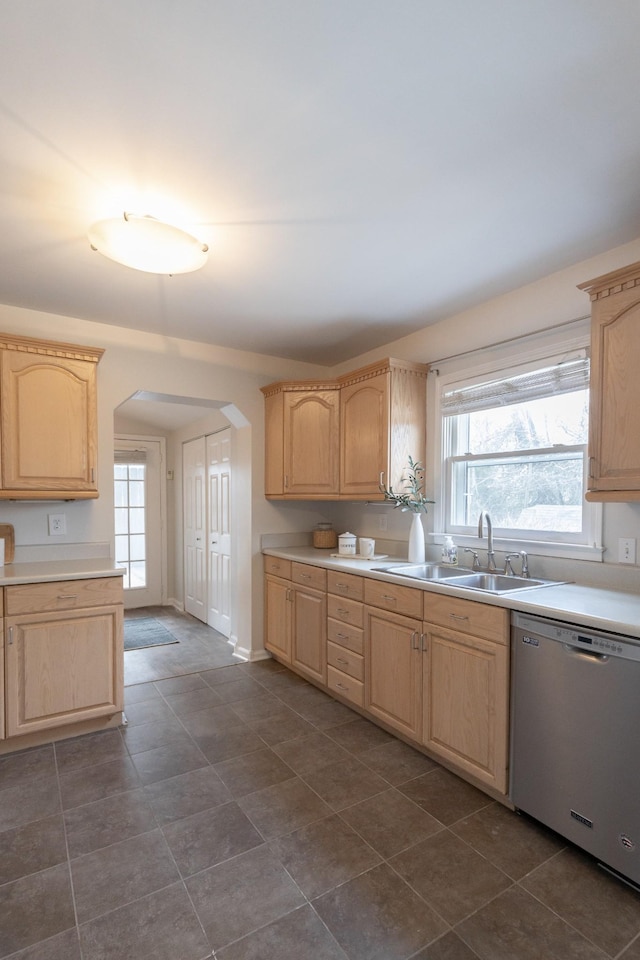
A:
x: 278, y: 615
x: 614, y: 441
x: 63, y: 668
x: 2, y: 707
x: 393, y: 670
x: 466, y: 702
x: 48, y: 423
x: 311, y: 442
x: 309, y: 642
x: 364, y: 436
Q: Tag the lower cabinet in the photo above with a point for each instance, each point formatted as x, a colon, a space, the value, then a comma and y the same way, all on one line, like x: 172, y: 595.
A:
x: 432, y: 667
x: 65, y: 665
x: 296, y: 617
x: 466, y: 687
x: 393, y: 670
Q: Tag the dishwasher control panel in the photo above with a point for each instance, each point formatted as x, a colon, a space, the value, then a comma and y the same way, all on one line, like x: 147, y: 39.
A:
x: 590, y: 641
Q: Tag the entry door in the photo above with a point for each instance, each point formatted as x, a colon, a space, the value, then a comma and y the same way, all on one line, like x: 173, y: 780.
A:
x: 139, y: 518
x: 195, y: 555
x: 219, y: 530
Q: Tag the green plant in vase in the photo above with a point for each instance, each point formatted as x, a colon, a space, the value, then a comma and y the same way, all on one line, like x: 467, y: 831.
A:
x: 414, y: 501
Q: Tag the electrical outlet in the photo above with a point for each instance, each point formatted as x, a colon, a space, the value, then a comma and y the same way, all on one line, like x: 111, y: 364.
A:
x: 382, y: 522
x: 626, y: 550
x: 57, y: 524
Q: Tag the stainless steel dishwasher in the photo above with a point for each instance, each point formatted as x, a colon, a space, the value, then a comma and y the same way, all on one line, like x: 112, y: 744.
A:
x: 575, y: 734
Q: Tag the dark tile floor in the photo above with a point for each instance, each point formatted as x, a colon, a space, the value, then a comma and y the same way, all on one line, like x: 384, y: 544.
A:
x: 243, y: 814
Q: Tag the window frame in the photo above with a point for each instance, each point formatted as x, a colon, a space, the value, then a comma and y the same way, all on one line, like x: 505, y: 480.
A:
x: 518, y: 356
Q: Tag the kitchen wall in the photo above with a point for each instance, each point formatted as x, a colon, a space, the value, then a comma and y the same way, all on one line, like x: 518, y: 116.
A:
x: 136, y: 361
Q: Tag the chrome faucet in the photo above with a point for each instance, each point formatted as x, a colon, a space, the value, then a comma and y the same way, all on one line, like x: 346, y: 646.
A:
x: 491, y: 557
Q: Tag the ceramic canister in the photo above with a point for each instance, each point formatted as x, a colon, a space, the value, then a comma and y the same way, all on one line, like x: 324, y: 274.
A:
x: 347, y: 544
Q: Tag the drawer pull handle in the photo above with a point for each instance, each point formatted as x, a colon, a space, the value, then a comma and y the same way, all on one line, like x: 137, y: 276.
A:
x: 67, y: 596
x: 343, y: 612
x: 385, y: 596
x: 457, y: 616
x: 342, y: 586
x: 306, y: 576
x: 340, y: 660
x: 342, y: 636
x: 341, y: 686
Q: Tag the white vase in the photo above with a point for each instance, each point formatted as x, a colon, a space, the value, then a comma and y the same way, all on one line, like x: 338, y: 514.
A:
x: 416, y: 540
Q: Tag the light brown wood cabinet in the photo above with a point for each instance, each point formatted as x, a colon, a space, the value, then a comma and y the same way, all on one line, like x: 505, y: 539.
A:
x: 393, y: 670
x: 383, y: 411
x: 466, y: 686
x: 296, y: 616
x: 431, y: 667
x: 64, y: 658
x: 302, y: 440
x: 614, y: 420
x: 48, y: 419
x: 345, y: 636
x: 339, y: 439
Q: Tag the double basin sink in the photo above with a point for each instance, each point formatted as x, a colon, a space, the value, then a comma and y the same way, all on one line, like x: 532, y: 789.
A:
x: 459, y: 577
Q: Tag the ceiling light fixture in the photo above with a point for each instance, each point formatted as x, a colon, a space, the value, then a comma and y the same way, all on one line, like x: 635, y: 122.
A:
x: 147, y: 244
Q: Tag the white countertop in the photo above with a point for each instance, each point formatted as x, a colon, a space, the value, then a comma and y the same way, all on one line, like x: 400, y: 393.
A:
x: 51, y: 570
x: 611, y: 610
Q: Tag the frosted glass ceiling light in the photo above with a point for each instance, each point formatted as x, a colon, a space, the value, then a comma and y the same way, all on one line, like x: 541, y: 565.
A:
x: 147, y: 244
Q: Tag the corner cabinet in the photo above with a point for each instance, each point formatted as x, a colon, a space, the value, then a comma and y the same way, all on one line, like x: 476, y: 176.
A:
x: 48, y: 420
x: 614, y: 417
x: 339, y: 439
x: 383, y: 411
x: 64, y: 653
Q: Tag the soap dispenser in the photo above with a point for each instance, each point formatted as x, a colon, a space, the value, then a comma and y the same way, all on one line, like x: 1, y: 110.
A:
x: 449, y: 551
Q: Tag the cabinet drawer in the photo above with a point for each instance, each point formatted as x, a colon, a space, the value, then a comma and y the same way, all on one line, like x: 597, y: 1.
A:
x: 278, y: 567
x: 468, y: 616
x: 390, y: 596
x: 345, y: 585
x: 62, y: 595
x: 345, y: 686
x: 309, y: 576
x: 341, y: 659
x: 349, y: 611
x: 345, y: 635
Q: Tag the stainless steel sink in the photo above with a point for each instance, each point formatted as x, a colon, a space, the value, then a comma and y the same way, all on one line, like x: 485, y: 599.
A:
x: 461, y: 577
x: 500, y: 583
x: 426, y: 571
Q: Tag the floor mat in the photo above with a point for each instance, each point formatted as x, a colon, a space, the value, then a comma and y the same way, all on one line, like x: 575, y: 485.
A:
x: 145, y: 632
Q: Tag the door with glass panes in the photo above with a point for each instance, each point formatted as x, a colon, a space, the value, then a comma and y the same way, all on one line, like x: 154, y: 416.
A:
x: 138, y: 519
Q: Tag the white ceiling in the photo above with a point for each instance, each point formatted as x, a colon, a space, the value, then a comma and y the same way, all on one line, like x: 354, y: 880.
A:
x: 359, y: 168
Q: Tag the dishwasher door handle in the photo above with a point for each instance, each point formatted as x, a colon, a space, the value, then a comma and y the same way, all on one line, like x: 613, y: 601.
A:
x: 585, y: 654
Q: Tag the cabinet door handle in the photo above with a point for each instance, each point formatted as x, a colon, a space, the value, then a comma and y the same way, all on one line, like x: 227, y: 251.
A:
x: 289, y: 595
x: 591, y: 468
x: 10, y: 635
x: 415, y: 643
x: 286, y: 481
x: 457, y: 616
x: 381, y: 481
x: 423, y: 642
x: 93, y: 478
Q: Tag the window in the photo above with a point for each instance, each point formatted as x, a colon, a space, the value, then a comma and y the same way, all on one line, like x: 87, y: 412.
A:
x: 129, y: 497
x: 515, y: 445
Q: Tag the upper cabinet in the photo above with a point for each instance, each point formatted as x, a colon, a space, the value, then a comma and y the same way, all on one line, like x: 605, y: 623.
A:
x: 340, y: 439
x: 301, y: 440
x: 48, y: 420
x: 614, y: 418
x: 383, y: 410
